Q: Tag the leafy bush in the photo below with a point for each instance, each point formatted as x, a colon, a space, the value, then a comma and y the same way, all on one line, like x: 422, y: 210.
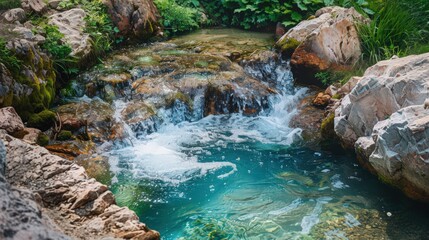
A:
x: 8, y: 58
x: 9, y: 4
x: 177, y: 18
x: 59, y: 51
x: 391, y: 32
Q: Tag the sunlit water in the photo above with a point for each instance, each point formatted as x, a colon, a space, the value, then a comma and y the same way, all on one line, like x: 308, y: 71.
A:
x: 237, y: 177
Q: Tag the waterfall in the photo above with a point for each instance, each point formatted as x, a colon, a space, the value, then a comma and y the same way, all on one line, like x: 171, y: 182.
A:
x: 170, y: 154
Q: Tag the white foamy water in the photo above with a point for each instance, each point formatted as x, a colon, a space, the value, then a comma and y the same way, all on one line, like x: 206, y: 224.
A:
x: 170, y: 154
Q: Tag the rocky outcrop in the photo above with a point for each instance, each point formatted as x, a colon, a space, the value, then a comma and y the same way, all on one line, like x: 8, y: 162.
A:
x: 384, y: 89
x: 137, y: 19
x: 327, y: 42
x: 400, y: 156
x: 14, y: 15
x: 32, y: 88
x: 10, y: 121
x: 38, y: 6
x: 72, y: 24
x: 56, y: 199
x: 385, y: 120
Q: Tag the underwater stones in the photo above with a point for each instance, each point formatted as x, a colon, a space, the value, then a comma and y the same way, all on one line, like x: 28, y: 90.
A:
x: 327, y: 42
x: 10, y: 121
x: 67, y: 194
x: 136, y: 19
x: 72, y: 24
x: 116, y: 78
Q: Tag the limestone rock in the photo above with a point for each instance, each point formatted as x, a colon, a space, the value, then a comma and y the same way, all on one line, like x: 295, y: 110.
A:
x: 37, y: 6
x: 327, y: 42
x: 136, y: 19
x: 10, y: 121
x: 384, y: 89
x: 37, y: 88
x: 401, y: 154
x: 14, y: 15
x: 84, y: 206
x: 72, y: 23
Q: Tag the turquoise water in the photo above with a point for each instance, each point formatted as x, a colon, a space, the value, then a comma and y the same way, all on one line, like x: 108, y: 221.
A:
x: 233, y: 177
x: 237, y: 177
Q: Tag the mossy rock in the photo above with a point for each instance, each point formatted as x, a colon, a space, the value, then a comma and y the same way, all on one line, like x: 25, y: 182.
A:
x: 43, y: 120
x: 327, y: 127
x: 288, y: 46
x: 42, y: 140
x: 64, y: 135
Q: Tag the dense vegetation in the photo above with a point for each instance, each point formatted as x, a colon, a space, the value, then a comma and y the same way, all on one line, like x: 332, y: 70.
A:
x: 9, y: 4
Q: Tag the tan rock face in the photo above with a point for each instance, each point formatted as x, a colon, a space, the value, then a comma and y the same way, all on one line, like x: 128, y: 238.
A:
x: 400, y: 156
x: 384, y: 89
x: 37, y: 6
x: 10, y: 121
x: 327, y: 42
x: 384, y: 118
x: 72, y: 23
x: 14, y: 15
x: 85, y: 208
x: 134, y: 18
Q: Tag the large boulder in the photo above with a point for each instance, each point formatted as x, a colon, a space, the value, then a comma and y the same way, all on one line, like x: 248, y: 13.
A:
x: 384, y: 89
x: 85, y: 208
x: 137, y: 19
x: 10, y: 121
x: 327, y: 42
x: 72, y: 24
x: 384, y: 119
x: 38, y: 6
x: 400, y: 151
x: 14, y: 15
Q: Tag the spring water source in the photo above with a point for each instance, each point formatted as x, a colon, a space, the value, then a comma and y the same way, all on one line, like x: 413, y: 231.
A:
x: 238, y: 176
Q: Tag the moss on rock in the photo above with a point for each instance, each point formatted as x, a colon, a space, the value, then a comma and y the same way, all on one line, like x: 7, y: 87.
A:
x: 327, y: 127
x: 64, y: 135
x: 42, y: 140
x: 43, y: 120
x: 288, y: 46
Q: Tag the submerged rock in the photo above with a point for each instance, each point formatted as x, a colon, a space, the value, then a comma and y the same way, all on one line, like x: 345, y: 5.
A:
x: 327, y: 42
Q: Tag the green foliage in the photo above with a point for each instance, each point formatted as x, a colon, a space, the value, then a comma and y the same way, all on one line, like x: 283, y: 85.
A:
x: 43, y: 120
x: 177, y: 18
x: 362, y: 6
x: 42, y: 140
x: 9, y: 4
x: 100, y: 27
x: 330, y: 77
x: 8, y: 58
x: 391, y: 32
x: 64, y: 135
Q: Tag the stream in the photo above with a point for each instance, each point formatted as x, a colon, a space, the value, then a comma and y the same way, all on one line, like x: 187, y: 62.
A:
x: 242, y: 173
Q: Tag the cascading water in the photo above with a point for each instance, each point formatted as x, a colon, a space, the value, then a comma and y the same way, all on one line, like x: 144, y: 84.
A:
x: 239, y: 175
